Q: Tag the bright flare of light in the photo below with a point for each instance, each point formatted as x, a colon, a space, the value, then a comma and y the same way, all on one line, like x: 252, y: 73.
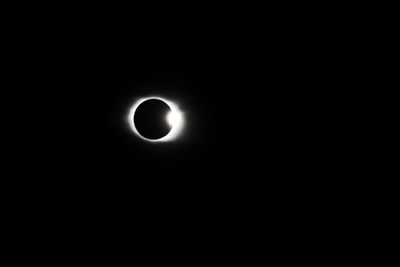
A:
x: 174, y: 118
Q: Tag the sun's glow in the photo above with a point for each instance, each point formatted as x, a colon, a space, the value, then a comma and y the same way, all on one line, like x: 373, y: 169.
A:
x: 174, y: 118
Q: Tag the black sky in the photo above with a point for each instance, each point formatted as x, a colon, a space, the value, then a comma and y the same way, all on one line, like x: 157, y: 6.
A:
x: 246, y: 89
x: 252, y: 87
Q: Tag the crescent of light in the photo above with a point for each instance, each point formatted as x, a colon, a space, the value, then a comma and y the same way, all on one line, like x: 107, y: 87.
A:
x: 176, y: 128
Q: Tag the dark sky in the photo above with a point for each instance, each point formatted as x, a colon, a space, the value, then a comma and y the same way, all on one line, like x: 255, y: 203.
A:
x: 245, y: 92
x: 244, y: 104
x: 251, y: 87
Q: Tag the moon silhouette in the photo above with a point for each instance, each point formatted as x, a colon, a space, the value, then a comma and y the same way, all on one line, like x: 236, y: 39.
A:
x: 150, y: 119
x: 155, y: 119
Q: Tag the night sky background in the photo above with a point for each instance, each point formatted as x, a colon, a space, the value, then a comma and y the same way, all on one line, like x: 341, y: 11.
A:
x: 252, y: 87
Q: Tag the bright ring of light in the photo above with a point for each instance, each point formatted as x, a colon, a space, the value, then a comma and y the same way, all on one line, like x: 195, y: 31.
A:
x: 174, y: 119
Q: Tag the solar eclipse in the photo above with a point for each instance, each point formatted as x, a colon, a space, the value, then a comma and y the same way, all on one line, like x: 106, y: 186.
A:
x: 155, y: 119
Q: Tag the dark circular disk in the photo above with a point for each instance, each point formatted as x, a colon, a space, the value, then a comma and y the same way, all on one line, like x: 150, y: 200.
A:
x: 150, y: 119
